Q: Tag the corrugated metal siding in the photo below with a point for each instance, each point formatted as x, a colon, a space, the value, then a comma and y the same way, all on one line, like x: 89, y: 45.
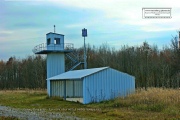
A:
x: 107, y: 84
x: 69, y: 88
x: 78, y: 91
x: 53, y: 46
x: 55, y: 66
x: 57, y: 88
x: 74, y: 88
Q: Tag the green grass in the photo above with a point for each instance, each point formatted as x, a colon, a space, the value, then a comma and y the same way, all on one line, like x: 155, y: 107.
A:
x: 151, y: 104
x: 8, y: 118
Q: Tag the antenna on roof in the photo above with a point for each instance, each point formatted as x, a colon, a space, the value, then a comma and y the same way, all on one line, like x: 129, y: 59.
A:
x: 54, y: 28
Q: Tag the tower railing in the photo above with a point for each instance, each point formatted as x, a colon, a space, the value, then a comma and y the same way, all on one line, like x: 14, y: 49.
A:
x: 72, y: 57
x: 44, y: 46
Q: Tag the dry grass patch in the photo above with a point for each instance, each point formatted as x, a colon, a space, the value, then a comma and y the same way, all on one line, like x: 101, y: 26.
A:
x: 157, y: 95
x: 154, y: 99
x: 155, y: 103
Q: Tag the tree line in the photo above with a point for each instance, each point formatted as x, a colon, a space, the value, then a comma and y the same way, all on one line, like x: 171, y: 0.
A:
x: 26, y: 73
x: 151, y: 66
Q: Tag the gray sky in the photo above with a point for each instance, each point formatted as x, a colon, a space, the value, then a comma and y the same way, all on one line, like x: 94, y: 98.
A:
x: 24, y: 23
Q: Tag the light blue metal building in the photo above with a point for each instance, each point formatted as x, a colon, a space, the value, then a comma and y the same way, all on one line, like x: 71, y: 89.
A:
x: 87, y: 85
x: 92, y: 85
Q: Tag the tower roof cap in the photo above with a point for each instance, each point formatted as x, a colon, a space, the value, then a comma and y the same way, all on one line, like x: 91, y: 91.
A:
x: 54, y: 33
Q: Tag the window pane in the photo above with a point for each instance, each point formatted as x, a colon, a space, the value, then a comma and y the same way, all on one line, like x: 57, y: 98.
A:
x: 48, y: 41
x: 57, y: 40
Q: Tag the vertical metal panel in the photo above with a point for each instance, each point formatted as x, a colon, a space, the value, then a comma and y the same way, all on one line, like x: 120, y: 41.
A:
x: 64, y: 89
x: 78, y: 88
x: 107, y: 84
x: 57, y: 88
x: 55, y: 66
x: 69, y: 88
x: 48, y: 87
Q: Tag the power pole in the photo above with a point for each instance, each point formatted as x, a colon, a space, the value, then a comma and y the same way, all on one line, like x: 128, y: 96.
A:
x: 179, y: 41
x: 84, y: 34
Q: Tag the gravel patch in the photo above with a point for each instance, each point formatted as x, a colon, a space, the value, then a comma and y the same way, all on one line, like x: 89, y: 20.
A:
x: 34, y: 114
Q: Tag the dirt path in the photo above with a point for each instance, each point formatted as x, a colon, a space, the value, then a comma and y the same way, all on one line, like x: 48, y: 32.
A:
x: 35, y: 114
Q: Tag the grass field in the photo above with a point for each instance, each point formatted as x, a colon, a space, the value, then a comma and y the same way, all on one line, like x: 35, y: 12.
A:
x: 155, y: 103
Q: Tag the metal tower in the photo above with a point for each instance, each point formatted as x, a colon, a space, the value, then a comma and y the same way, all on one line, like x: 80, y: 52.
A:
x: 57, y: 51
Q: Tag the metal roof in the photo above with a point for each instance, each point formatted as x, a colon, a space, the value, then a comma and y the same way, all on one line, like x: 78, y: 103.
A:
x: 77, y: 74
x: 54, y: 33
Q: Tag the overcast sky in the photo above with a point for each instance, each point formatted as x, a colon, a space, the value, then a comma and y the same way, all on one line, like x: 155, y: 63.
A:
x: 24, y: 23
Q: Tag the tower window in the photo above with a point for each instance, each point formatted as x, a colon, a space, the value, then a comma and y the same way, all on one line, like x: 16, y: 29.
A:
x: 48, y: 41
x: 57, y: 41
